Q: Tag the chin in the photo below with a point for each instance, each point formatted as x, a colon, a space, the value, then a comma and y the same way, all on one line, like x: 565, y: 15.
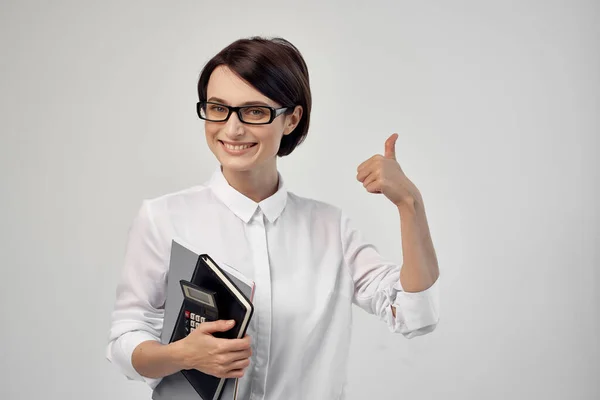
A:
x: 239, y: 164
x: 236, y: 166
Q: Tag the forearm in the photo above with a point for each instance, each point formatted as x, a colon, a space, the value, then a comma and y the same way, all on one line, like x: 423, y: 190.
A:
x: 153, y: 359
x: 420, y: 267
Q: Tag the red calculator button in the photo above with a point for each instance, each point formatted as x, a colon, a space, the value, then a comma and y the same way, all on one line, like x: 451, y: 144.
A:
x: 187, y: 314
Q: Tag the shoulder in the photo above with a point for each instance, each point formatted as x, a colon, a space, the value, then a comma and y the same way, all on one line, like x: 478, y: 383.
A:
x: 183, y: 195
x: 322, y: 214
x: 164, y: 215
x: 177, y: 202
x: 315, y: 208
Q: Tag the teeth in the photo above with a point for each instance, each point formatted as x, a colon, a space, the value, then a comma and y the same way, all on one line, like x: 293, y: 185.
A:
x: 241, y: 147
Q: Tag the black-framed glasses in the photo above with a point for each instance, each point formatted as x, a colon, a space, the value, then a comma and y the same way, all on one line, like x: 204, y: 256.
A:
x: 254, y: 115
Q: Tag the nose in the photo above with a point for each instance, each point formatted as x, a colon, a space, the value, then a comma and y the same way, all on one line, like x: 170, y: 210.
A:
x: 233, y: 127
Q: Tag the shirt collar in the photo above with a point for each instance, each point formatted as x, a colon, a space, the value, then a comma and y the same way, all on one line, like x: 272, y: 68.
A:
x: 243, y: 206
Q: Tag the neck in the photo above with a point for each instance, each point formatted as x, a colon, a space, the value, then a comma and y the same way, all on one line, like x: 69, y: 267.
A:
x: 257, y: 184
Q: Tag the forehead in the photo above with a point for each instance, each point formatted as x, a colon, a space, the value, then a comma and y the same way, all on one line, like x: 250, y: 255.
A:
x: 227, y: 85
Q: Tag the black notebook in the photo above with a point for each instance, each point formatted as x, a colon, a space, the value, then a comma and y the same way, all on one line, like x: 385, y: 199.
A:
x: 211, y: 294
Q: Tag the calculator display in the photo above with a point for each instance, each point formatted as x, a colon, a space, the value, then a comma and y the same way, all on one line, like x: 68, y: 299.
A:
x: 199, y: 296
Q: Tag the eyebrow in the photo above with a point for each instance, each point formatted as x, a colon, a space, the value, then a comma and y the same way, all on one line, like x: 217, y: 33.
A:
x: 247, y: 103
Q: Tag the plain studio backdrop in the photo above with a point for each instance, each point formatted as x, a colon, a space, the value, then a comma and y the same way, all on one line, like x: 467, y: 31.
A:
x: 497, y: 106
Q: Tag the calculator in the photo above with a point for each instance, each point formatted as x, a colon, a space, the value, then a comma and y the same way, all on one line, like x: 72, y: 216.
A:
x: 199, y: 305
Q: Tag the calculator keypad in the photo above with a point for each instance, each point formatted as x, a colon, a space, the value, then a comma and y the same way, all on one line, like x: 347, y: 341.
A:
x: 192, y: 321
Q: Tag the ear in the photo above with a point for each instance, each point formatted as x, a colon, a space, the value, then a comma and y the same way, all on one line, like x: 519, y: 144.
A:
x: 292, y: 120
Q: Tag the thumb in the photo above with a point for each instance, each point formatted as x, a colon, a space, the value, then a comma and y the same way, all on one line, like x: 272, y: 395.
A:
x: 217, y: 326
x: 390, y: 146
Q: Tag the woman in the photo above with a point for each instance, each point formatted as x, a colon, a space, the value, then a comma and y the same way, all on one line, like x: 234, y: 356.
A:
x: 309, y: 263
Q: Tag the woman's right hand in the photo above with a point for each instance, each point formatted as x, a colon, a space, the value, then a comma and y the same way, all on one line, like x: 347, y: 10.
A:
x: 223, y: 358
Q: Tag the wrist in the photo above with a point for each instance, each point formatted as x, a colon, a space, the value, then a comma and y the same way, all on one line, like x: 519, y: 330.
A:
x: 178, y: 355
x: 409, y: 203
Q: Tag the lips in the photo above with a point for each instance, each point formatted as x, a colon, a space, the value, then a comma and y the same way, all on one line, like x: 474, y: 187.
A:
x: 237, y: 148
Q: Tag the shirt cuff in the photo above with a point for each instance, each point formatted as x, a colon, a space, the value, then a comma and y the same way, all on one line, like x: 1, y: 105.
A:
x: 417, y: 313
x: 120, y: 350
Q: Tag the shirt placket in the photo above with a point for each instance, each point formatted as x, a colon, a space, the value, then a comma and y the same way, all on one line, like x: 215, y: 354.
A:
x: 262, y: 303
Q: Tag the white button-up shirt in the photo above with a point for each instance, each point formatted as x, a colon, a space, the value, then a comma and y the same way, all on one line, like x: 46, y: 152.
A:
x: 309, y: 263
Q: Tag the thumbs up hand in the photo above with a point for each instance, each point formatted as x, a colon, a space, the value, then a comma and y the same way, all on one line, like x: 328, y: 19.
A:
x: 382, y: 174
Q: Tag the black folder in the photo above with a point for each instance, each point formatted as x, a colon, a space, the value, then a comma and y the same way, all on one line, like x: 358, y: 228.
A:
x: 231, y: 304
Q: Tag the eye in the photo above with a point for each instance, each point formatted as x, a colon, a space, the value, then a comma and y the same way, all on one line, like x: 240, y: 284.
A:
x: 256, y: 112
x: 216, y: 108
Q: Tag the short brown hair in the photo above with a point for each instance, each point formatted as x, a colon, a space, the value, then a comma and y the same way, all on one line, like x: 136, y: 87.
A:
x: 275, y: 68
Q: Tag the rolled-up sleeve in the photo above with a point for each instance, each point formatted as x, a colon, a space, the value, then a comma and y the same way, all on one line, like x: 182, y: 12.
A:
x: 377, y: 287
x: 139, y: 307
x: 417, y: 313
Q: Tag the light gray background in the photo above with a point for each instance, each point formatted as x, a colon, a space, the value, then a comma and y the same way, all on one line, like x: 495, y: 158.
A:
x: 497, y: 106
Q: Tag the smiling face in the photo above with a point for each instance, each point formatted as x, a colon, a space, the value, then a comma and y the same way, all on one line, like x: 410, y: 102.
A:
x: 239, y: 146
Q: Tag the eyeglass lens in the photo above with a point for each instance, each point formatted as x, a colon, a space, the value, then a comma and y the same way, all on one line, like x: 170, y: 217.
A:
x: 251, y: 114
